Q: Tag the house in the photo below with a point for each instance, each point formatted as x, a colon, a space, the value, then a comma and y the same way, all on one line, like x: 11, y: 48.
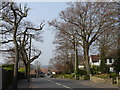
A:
x: 32, y: 73
x: 112, y: 56
x: 94, y: 60
x: 45, y: 70
x: 109, y: 61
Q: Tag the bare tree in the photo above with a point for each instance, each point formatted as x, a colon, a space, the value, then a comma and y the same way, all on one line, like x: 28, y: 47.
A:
x: 27, y: 53
x: 89, y: 20
x: 65, y: 52
x: 37, y: 66
x: 12, y: 33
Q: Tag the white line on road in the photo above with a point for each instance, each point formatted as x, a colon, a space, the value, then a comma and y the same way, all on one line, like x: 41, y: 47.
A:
x: 58, y: 83
x: 65, y: 86
x: 62, y: 85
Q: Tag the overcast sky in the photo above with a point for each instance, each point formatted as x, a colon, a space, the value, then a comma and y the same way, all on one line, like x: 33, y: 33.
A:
x: 45, y: 11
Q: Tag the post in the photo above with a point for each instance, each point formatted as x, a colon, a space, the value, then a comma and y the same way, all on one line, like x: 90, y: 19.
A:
x: 29, y: 59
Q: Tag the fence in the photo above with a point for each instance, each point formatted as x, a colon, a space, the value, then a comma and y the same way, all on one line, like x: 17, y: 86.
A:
x: 7, y: 78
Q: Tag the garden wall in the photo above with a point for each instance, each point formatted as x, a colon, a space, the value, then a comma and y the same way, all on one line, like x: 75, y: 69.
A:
x: 101, y: 80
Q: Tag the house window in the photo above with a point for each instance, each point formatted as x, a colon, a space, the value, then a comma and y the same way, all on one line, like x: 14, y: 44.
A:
x: 110, y: 60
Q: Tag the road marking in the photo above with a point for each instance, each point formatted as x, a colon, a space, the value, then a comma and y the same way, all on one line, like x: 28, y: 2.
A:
x: 65, y: 86
x: 58, y: 84
x: 62, y: 85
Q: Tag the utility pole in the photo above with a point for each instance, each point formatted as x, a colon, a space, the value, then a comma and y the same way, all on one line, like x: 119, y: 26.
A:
x: 29, y: 58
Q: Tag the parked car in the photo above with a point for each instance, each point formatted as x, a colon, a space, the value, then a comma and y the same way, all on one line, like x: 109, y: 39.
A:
x: 41, y: 74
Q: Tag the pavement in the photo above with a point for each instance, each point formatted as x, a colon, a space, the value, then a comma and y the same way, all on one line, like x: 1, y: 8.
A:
x: 61, y: 83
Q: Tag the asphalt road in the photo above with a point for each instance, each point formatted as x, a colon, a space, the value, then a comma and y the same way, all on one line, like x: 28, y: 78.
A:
x: 62, y: 84
x: 56, y: 83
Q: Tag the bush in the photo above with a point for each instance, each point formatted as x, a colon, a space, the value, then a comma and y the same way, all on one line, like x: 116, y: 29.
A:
x: 86, y: 77
x: 69, y: 75
x: 60, y: 76
x: 113, y: 75
x: 21, y: 70
x: 95, y: 69
x: 66, y: 76
x: 105, y: 76
x: 82, y: 72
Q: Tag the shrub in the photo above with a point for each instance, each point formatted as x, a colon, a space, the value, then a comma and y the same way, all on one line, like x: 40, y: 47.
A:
x: 21, y: 70
x: 95, y: 69
x: 113, y: 75
x: 86, y: 77
x: 68, y: 76
x: 82, y: 72
x: 60, y: 76
x: 105, y: 76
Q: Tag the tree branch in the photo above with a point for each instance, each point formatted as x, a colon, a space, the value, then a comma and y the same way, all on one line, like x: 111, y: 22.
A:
x: 35, y: 57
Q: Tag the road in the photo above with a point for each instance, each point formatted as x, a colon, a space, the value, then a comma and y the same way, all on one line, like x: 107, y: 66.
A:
x: 68, y: 84
x: 56, y: 83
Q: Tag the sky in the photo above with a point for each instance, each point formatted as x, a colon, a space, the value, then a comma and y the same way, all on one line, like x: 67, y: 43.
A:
x: 45, y: 11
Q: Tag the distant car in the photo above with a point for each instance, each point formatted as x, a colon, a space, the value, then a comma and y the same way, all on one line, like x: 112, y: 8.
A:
x: 41, y: 74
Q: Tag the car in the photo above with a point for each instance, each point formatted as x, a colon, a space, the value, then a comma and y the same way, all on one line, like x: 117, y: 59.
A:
x: 41, y: 74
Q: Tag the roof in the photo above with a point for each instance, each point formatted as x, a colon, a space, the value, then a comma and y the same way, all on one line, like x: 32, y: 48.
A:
x: 95, y: 58
x: 54, y: 70
x: 32, y: 72
x: 45, y: 70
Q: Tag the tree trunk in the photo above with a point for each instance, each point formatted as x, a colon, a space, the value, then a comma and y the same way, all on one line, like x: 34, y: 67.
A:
x: 16, y: 57
x: 86, y: 57
x: 103, y: 66
x: 76, y: 60
x: 15, y: 64
x: 26, y: 70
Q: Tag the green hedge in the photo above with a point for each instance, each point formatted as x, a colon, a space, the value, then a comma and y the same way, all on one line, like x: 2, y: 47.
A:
x: 8, y: 67
x: 21, y: 70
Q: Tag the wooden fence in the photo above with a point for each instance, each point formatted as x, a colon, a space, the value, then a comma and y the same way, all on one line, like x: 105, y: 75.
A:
x: 7, y: 78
